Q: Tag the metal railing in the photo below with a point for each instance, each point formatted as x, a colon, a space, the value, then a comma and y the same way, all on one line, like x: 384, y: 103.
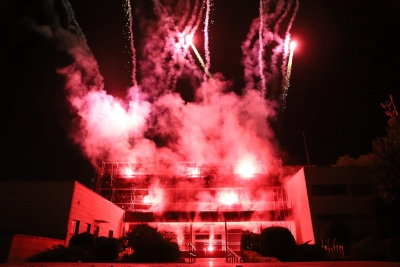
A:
x: 232, y: 257
x: 192, y: 253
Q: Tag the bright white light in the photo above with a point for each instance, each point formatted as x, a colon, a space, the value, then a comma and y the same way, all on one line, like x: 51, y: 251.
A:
x: 210, y: 248
x: 128, y: 172
x: 246, y: 169
x: 293, y: 45
x: 147, y: 200
x: 229, y: 198
x: 194, y: 172
x: 189, y: 39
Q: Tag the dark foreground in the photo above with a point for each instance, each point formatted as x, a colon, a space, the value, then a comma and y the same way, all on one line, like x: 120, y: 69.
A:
x: 214, y: 262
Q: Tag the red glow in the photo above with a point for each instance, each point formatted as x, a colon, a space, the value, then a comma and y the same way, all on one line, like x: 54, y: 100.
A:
x: 229, y: 198
x: 293, y: 45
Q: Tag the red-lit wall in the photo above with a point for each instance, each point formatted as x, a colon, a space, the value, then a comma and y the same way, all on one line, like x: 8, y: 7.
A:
x: 90, y: 208
x: 37, y: 213
x: 24, y: 246
x: 297, y: 192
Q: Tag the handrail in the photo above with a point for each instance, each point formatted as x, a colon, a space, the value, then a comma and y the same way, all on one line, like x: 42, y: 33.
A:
x: 232, y: 257
x: 192, y: 253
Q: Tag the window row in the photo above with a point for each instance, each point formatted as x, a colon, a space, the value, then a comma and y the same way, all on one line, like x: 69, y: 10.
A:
x: 341, y: 189
x: 75, y: 229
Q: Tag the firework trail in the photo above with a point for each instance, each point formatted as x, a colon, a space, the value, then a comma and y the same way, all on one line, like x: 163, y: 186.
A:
x: 285, y: 64
x: 198, y: 18
x: 128, y: 14
x: 206, y: 38
x: 287, y: 77
x: 261, y: 51
x: 206, y: 72
x: 73, y: 24
x: 265, y: 38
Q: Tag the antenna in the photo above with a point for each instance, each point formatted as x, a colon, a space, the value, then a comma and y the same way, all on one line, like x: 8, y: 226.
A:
x: 305, y: 144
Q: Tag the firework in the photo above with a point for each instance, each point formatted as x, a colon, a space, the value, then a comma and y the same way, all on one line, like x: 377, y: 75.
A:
x: 189, y: 41
x: 128, y: 14
x: 292, y: 47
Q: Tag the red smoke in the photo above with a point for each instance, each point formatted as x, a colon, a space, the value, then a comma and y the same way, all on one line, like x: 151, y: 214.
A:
x: 219, y: 127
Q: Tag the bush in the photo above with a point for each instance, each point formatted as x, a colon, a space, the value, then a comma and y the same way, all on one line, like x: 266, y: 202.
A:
x: 251, y: 256
x: 84, y: 240
x: 306, y: 252
x: 250, y: 241
x: 335, y: 233
x: 278, y: 242
x: 150, y: 246
x: 107, y: 249
x: 368, y: 249
x: 392, y: 247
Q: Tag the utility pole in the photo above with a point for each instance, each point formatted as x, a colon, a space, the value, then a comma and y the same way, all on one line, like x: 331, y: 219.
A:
x: 305, y: 144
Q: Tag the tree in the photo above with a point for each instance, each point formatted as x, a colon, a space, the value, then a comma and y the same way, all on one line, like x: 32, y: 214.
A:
x: 278, y: 242
x: 107, y: 249
x: 150, y: 246
x: 386, y: 175
x: 346, y: 160
x: 386, y: 161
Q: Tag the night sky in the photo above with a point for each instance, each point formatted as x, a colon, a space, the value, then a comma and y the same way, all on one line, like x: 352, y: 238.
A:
x: 345, y: 65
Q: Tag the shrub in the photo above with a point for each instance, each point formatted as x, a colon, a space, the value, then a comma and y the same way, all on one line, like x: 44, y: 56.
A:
x: 250, y: 241
x: 368, y: 249
x: 84, y: 240
x: 107, y: 249
x: 335, y: 233
x: 278, y: 242
x: 84, y: 243
x: 150, y: 246
x: 306, y: 252
x: 251, y: 256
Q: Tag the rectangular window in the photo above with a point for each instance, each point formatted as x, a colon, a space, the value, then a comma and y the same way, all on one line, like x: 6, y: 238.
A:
x: 110, y: 233
x: 333, y: 217
x: 200, y: 237
x: 329, y: 190
x: 88, y: 225
x: 75, y: 227
x: 361, y: 189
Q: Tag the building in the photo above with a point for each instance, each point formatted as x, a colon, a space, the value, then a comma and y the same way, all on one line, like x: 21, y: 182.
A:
x: 38, y: 215
x: 206, y: 206
x: 331, y: 194
x: 210, y: 206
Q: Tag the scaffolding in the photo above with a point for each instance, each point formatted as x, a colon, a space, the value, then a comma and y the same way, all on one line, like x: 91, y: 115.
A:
x: 189, y: 186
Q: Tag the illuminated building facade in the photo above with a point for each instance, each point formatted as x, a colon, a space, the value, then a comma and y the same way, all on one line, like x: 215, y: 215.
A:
x: 208, y: 206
